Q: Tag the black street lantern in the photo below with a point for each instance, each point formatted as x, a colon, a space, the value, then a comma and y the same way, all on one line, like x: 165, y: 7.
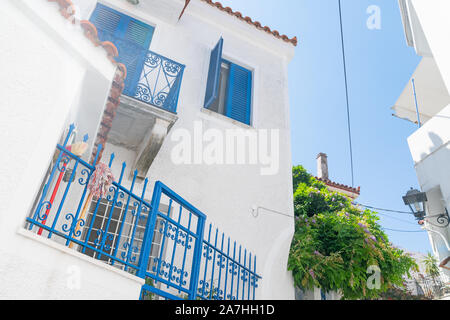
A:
x: 416, y: 202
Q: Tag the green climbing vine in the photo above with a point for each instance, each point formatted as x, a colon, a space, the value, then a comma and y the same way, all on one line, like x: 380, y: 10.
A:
x: 336, y: 242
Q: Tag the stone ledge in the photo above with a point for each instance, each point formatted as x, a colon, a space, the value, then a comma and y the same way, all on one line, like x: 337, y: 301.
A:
x: 50, y: 243
x: 211, y: 115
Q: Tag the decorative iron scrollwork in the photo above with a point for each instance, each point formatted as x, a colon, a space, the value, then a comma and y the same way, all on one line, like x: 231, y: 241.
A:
x: 442, y: 219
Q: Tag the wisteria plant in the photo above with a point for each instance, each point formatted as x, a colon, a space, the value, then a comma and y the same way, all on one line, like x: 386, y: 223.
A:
x: 338, y: 246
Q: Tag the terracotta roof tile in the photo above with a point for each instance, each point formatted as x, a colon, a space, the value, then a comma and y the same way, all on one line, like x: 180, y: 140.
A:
x: 275, y: 33
x: 340, y: 186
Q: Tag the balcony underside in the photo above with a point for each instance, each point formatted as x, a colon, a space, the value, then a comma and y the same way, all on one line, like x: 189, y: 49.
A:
x: 141, y: 128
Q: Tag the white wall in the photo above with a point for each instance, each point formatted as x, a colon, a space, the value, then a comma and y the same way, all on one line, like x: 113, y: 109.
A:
x: 67, y: 79
x: 430, y: 144
x: 430, y: 150
x: 44, y: 61
x: 434, y: 20
x: 226, y: 193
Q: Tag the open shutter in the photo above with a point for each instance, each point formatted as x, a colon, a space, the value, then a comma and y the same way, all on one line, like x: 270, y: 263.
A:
x: 239, y: 95
x: 212, y: 86
x: 131, y: 37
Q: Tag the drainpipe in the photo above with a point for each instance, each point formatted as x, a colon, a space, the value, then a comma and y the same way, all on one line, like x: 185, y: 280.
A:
x: 417, y: 105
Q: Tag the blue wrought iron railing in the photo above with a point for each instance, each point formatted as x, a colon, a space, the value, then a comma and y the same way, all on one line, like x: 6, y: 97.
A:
x: 151, y: 77
x: 162, y: 240
x: 93, y: 234
x: 228, y: 272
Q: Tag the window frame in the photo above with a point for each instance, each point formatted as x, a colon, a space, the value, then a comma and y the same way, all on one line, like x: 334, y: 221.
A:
x: 232, y: 61
x: 103, y: 218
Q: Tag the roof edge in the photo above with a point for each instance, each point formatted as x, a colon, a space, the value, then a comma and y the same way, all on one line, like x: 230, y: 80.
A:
x: 344, y: 187
x: 257, y: 24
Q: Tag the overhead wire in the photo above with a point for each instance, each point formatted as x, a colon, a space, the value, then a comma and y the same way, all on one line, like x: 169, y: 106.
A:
x: 407, y: 231
x: 346, y: 94
x: 381, y: 209
x: 395, y: 218
x: 388, y: 215
x: 350, y: 132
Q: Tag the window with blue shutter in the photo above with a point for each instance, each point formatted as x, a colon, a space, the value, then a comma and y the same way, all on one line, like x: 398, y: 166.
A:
x: 229, y: 87
x: 131, y: 37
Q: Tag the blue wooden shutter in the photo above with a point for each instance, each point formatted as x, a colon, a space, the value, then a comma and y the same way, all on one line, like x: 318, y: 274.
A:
x: 212, y: 86
x: 122, y: 26
x: 139, y: 33
x: 106, y: 19
x: 239, y: 95
x: 131, y: 37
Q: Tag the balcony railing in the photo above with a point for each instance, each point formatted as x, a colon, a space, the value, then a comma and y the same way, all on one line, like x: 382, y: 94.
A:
x: 151, y: 77
x: 163, y: 240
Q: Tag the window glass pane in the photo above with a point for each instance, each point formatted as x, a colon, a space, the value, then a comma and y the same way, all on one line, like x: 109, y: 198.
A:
x: 128, y: 225
x: 219, y: 104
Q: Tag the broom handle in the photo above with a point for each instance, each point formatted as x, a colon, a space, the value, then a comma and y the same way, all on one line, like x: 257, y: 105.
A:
x: 52, y: 198
x: 83, y: 214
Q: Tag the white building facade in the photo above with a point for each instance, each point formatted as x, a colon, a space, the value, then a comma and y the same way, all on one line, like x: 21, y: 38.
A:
x: 427, y: 30
x: 148, y: 89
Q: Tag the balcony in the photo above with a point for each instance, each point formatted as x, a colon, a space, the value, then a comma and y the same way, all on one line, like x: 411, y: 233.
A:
x: 148, y: 106
x: 160, y: 238
x: 151, y: 77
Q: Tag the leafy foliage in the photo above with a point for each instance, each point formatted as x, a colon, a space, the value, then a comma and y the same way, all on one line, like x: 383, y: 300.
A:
x: 335, y: 243
x: 401, y: 294
x: 147, y: 295
x: 431, y: 265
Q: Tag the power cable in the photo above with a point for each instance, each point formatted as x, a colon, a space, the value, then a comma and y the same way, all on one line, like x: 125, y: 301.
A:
x: 395, y: 218
x: 395, y: 230
x: 381, y: 209
x: 346, y: 94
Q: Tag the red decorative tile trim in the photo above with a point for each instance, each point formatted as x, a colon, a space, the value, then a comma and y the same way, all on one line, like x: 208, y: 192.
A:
x: 67, y: 10
x: 90, y: 31
x: 237, y: 14
x: 111, y: 49
x: 109, y: 112
x: 123, y: 69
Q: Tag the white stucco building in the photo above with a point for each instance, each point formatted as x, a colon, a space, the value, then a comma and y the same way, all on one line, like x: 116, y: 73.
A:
x: 427, y: 29
x: 140, y: 81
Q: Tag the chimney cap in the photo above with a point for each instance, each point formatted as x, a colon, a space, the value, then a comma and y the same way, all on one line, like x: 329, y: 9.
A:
x: 322, y: 155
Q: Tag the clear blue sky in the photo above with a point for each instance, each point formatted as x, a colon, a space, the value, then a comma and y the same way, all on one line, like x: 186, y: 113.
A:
x: 379, y: 66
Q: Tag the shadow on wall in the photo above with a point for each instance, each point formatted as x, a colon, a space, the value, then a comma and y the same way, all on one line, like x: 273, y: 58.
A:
x: 437, y: 143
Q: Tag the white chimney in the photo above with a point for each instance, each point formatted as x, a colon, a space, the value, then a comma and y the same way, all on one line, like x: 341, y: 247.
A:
x: 322, y: 166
